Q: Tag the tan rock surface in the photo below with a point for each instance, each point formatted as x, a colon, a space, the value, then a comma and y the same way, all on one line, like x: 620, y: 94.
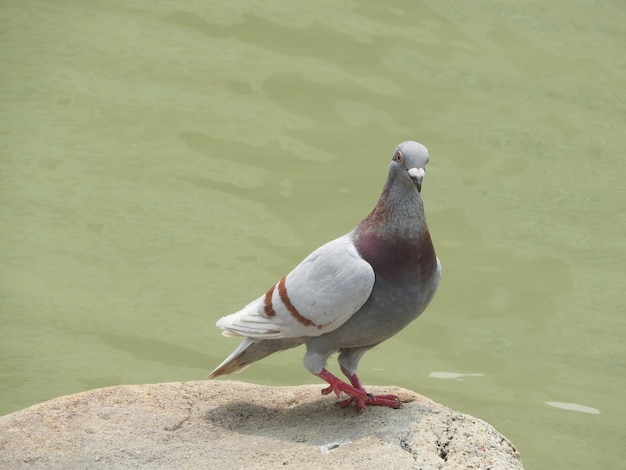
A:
x: 234, y: 425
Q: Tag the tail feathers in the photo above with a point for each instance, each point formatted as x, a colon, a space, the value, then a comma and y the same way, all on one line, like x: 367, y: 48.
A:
x: 250, y: 351
x: 232, y: 364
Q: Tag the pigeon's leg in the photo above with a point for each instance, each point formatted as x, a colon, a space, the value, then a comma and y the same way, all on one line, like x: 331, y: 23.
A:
x: 354, y: 380
x: 315, y: 362
x: 349, y: 361
x: 357, y: 395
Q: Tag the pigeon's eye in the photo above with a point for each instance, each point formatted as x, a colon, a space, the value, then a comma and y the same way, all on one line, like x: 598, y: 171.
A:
x: 398, y: 157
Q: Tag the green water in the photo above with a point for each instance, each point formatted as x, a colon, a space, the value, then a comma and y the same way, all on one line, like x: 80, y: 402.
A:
x: 163, y: 163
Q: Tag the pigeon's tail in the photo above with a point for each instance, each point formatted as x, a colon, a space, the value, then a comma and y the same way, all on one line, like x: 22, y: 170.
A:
x: 251, y: 350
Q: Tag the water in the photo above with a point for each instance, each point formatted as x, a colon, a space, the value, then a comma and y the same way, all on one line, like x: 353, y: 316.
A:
x: 161, y: 165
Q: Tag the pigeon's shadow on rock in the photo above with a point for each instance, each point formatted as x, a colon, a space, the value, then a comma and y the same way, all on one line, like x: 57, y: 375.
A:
x: 317, y: 422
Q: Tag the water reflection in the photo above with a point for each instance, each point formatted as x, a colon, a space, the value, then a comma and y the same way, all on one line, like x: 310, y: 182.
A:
x: 451, y: 375
x: 573, y: 407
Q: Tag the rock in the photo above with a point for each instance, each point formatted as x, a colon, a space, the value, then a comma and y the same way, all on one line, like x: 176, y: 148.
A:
x: 234, y: 425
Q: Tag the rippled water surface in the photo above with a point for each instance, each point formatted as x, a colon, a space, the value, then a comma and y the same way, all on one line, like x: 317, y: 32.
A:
x: 163, y: 163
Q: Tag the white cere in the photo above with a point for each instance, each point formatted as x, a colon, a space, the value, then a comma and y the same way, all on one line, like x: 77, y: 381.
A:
x: 416, y: 172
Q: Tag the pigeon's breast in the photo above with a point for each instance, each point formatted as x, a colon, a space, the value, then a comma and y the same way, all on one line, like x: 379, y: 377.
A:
x: 399, y: 259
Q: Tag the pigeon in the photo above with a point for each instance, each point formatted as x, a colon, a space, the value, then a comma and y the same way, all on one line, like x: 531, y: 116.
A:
x: 350, y: 294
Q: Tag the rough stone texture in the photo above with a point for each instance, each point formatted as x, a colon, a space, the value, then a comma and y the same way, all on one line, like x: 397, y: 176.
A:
x: 233, y: 425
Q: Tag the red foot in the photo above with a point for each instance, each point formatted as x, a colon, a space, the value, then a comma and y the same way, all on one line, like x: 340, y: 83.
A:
x: 355, y: 392
x: 354, y: 380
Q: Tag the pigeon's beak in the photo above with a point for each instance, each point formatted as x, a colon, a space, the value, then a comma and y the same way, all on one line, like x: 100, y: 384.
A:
x: 417, y: 174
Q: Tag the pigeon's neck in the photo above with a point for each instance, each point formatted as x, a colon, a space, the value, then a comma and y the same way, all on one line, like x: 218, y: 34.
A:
x: 394, y: 237
x: 399, y: 213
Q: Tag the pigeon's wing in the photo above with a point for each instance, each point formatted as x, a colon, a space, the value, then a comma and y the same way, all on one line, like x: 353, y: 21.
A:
x: 318, y: 296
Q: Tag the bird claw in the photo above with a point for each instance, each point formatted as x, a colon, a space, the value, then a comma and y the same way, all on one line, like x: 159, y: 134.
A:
x: 356, y: 394
x: 390, y: 401
x: 386, y: 397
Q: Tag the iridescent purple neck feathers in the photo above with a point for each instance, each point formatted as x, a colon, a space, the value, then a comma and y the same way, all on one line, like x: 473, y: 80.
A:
x: 394, y: 237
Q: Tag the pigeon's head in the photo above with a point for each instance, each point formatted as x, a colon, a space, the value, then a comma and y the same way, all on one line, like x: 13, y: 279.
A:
x: 409, y: 161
